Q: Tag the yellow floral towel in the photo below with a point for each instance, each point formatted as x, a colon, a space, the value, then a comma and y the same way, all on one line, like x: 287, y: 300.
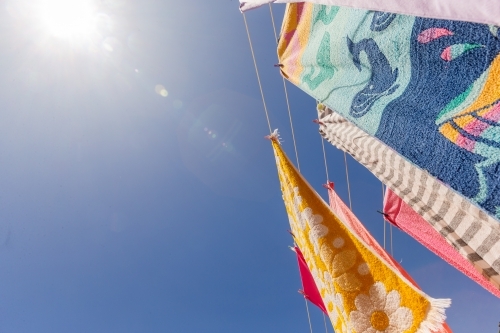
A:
x: 361, y: 291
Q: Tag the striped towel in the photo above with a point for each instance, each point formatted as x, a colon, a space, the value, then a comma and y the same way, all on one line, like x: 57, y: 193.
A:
x: 473, y: 233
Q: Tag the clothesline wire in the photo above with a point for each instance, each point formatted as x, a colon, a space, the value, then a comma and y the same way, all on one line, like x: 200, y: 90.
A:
x: 324, y: 320
x: 348, y: 183
x: 308, y: 316
x: 257, y: 72
x: 383, y: 219
x: 324, y: 153
x: 390, y: 229
x: 324, y: 158
x: 384, y: 189
x: 286, y: 94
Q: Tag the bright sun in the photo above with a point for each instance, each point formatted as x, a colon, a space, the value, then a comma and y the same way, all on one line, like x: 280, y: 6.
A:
x: 68, y: 18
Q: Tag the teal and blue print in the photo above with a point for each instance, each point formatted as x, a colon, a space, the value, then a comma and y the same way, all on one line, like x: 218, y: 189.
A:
x: 381, y: 20
x: 383, y: 78
x: 397, y: 77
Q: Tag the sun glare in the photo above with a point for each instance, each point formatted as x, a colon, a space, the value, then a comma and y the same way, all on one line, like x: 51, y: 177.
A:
x: 68, y: 18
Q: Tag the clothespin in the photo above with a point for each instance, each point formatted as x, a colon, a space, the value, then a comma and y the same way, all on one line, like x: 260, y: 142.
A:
x: 384, y: 214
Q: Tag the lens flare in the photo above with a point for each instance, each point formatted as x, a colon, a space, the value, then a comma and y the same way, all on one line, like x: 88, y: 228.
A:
x: 160, y: 90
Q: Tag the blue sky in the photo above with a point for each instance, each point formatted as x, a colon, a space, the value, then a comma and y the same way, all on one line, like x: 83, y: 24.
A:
x: 120, y: 211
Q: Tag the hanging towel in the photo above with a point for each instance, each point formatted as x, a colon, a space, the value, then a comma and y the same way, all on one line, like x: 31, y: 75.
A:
x: 402, y: 216
x: 480, y: 11
x: 360, y: 290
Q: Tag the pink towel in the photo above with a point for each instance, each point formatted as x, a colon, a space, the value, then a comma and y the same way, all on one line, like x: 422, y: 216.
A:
x: 405, y: 218
x: 310, y: 290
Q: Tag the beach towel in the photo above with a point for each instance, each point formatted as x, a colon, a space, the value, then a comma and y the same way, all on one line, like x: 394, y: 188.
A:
x: 429, y: 89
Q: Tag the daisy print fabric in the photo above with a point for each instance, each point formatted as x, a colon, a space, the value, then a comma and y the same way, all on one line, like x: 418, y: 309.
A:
x: 361, y: 291
x: 380, y: 311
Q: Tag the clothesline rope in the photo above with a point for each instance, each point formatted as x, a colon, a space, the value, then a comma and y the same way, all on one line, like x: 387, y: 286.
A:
x: 385, y: 223
x: 383, y: 219
x: 257, y: 72
x: 390, y: 229
x: 324, y: 158
x: 286, y: 94
x: 274, y: 25
x: 308, y: 316
x: 348, y: 184
x: 324, y: 154
x: 324, y: 320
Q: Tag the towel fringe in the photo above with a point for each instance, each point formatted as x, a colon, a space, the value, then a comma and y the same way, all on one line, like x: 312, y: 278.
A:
x: 274, y: 136
x: 435, y: 317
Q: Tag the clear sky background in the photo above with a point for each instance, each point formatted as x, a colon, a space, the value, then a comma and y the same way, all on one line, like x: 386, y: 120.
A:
x: 128, y: 207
